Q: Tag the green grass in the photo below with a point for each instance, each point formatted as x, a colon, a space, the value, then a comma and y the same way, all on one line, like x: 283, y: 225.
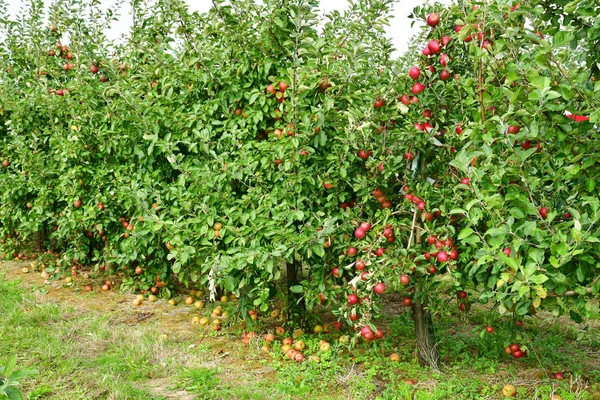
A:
x: 84, y: 354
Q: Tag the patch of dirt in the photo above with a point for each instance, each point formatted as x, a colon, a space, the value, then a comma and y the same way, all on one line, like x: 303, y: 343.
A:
x: 131, y: 322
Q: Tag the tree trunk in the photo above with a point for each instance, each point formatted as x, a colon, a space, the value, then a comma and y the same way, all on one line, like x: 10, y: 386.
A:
x: 427, y: 348
x: 296, y: 305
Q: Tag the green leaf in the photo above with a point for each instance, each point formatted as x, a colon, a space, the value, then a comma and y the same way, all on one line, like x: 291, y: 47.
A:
x: 10, y: 365
x: 318, y: 250
x: 297, y: 289
x: 562, y: 37
x: 575, y: 316
x: 465, y: 233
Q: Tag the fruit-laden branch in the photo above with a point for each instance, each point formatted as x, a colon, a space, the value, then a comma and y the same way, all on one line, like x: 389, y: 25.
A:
x: 571, y: 293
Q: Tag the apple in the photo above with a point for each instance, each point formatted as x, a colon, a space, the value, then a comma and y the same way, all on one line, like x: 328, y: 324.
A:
x: 105, y: 287
x: 509, y: 391
x: 283, y: 86
x: 426, y: 52
x: 433, y: 19
x: 324, y: 346
x: 421, y: 205
x: 489, y: 329
x: 446, y: 40
x: 327, y: 185
x: 365, y: 226
x: 445, y: 75
x: 77, y: 203
x: 352, y: 299
x: 353, y: 317
x: 351, y: 252
x: 518, y: 354
x: 465, y: 181
x: 442, y: 256
x: 337, y: 325
x: 559, y: 375
x: 379, y: 252
x: 380, y: 167
x: 379, y: 103
x: 103, y: 79
x: 407, y: 301
x: 417, y: 88
x: 360, y: 265
x: 514, y: 129
x: 271, y: 89
x: 359, y: 234
x: 299, y: 345
x: 88, y: 288
x: 324, y: 85
x: 506, y: 251
x: 405, y: 99
x: 544, y: 212
x: 462, y: 294
x: 434, y: 46
x: 367, y: 333
x: 139, y: 270
x: 298, y: 357
x: 405, y: 279
x: 364, y: 154
x: 379, y: 288
x: 410, y: 382
x: 414, y: 73
x: 93, y: 69
x: 394, y: 357
x: 462, y: 307
x: 454, y: 254
x: 409, y: 156
x: 335, y: 272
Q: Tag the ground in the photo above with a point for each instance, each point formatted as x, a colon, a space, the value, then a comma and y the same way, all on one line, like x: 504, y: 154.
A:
x: 98, y: 345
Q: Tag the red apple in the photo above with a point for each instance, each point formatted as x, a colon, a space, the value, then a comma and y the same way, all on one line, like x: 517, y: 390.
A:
x: 442, y: 256
x: 434, y: 46
x: 352, y: 299
x: 405, y: 279
x: 418, y: 88
x: 360, y: 265
x: 544, y: 212
x: 433, y: 19
x: 513, y: 129
x: 379, y: 288
x: 414, y: 73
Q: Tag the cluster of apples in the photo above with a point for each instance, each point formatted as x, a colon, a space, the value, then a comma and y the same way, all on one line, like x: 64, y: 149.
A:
x: 385, y: 203
x: 279, y: 94
x: 515, y: 351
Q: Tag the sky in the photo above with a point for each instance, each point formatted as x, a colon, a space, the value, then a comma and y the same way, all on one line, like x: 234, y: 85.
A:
x: 399, y: 30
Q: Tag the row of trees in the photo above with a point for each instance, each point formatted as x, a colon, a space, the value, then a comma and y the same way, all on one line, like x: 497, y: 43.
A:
x: 255, y: 142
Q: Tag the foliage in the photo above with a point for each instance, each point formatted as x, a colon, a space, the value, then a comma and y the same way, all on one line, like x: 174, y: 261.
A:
x: 217, y: 149
x: 10, y: 378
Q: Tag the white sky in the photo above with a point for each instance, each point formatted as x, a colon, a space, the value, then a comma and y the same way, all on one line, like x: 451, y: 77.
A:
x: 399, y: 30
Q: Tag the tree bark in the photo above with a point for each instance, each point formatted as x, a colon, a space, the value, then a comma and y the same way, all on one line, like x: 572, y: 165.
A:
x: 427, y: 348
x: 296, y: 305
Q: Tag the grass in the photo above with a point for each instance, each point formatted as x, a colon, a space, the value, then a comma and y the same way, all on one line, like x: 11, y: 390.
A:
x: 96, y: 346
